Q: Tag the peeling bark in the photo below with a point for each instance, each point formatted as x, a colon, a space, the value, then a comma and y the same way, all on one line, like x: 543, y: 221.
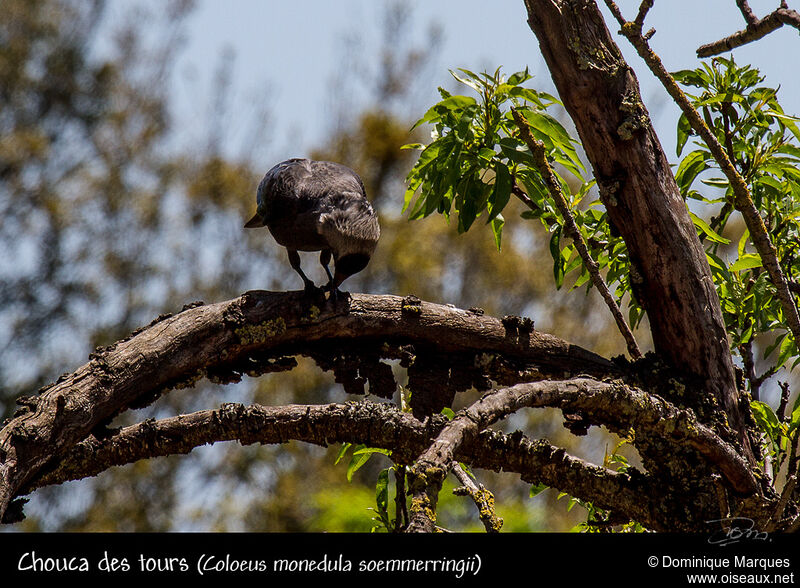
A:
x: 258, y: 333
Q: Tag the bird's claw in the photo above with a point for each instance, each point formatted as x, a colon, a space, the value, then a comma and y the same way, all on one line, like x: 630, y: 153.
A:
x: 334, y: 291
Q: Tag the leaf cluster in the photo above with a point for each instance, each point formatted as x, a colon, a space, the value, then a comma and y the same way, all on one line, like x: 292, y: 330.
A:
x: 476, y: 161
x: 761, y: 141
x: 781, y: 433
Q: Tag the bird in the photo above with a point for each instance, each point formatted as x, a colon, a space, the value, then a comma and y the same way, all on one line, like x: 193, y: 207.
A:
x: 310, y: 205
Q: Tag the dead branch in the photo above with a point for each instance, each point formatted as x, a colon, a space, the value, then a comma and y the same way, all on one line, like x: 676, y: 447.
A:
x: 258, y: 333
x: 756, y: 29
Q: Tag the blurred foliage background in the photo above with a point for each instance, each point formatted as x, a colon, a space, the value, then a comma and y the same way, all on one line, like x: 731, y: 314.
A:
x: 107, y: 222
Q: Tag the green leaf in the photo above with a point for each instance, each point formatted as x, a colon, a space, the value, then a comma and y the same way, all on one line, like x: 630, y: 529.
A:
x: 497, y: 229
x: 537, y: 489
x: 449, y: 104
x: 740, y: 248
x: 371, y: 450
x: 787, y: 350
x: 519, y: 77
x: 794, y: 421
x: 474, y: 83
x: 684, y: 130
x: 689, y: 168
x: 501, y: 192
x: 342, y: 452
x: 359, y: 458
x: 516, y: 151
x: 766, y: 419
x: 486, y: 154
x: 382, y: 492
x: 746, y: 261
x: 555, y: 253
x: 707, y: 230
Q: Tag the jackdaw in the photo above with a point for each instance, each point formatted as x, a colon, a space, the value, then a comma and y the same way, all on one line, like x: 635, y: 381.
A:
x: 318, y: 206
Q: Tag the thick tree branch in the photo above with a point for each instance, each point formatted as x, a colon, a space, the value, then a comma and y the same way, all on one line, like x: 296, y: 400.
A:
x: 254, y: 334
x: 670, y: 275
x: 619, y: 407
x: 742, y: 201
x: 374, y: 424
x: 756, y: 29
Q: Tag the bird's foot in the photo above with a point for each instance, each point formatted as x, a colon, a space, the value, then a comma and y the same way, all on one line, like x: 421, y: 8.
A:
x: 334, y: 291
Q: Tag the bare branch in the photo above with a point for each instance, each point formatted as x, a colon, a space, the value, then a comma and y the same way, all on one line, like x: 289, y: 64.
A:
x: 483, y: 499
x: 374, y: 424
x: 756, y: 29
x: 572, y: 231
x: 615, y: 405
x: 747, y: 12
x: 644, y: 8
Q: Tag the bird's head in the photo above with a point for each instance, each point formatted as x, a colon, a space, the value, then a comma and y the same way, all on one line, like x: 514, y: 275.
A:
x: 347, y: 265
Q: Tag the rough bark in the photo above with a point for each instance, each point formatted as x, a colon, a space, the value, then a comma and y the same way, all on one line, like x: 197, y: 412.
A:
x: 376, y: 425
x: 621, y: 409
x: 258, y: 333
x: 670, y: 274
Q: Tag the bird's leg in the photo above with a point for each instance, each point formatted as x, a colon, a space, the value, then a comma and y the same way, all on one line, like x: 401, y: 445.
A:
x: 294, y: 260
x: 332, y: 286
x: 325, y: 259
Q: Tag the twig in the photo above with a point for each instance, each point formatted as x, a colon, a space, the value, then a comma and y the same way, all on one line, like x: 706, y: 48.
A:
x: 722, y: 497
x: 777, y: 514
x: 482, y: 498
x: 746, y: 351
x: 791, y: 468
x: 747, y: 12
x: 785, y: 393
x: 401, y: 510
x: 572, y: 231
x: 644, y: 8
x: 742, y: 200
x: 756, y: 29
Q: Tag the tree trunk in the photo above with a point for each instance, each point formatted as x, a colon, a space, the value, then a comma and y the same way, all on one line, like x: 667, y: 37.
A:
x: 670, y: 275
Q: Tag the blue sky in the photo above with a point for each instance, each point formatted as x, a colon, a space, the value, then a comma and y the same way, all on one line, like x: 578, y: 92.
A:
x: 290, y: 51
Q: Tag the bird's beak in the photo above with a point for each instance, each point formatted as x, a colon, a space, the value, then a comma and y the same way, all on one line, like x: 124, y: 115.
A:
x: 256, y: 221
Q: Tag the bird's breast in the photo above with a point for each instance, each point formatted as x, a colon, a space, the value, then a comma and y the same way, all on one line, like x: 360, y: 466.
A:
x: 300, y: 233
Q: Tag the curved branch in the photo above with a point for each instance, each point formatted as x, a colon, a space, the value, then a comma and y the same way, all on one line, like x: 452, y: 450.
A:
x: 373, y: 424
x: 615, y: 405
x: 251, y: 335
